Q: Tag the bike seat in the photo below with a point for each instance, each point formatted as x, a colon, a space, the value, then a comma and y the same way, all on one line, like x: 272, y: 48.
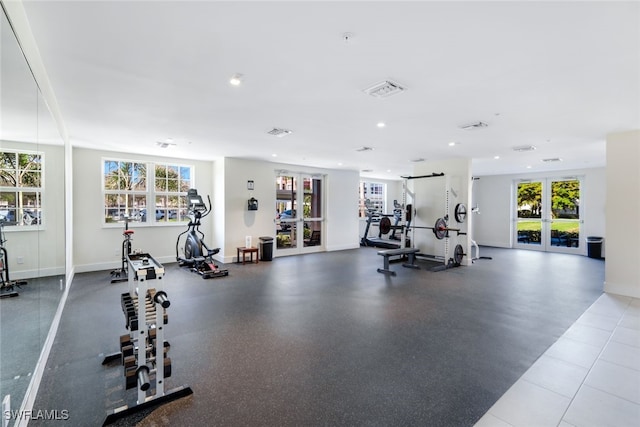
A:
x: 214, y: 251
x: 128, y: 232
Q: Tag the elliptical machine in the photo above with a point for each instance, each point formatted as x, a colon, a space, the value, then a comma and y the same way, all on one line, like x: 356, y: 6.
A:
x: 197, y: 255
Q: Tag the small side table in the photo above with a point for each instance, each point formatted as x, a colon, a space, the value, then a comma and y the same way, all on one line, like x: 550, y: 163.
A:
x: 245, y: 251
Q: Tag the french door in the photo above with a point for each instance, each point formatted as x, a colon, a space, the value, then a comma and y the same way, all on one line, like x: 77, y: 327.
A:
x: 299, y: 213
x: 548, y: 215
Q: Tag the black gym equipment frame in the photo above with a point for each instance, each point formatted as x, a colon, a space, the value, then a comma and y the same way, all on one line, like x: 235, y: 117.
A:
x: 7, y: 286
x: 120, y: 274
x: 377, y: 242
x: 197, y: 255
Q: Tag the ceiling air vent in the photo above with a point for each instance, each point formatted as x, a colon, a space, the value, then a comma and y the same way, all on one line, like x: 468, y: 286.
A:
x: 361, y: 149
x: 476, y: 125
x: 385, y: 89
x: 523, y: 148
x: 417, y: 160
x: 366, y: 170
x: 279, y: 132
x: 552, y: 160
x: 165, y: 144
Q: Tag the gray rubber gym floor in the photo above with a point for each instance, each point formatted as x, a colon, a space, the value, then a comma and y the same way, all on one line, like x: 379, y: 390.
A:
x: 323, y: 339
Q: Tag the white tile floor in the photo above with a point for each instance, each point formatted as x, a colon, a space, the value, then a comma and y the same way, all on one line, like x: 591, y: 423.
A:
x: 589, y: 377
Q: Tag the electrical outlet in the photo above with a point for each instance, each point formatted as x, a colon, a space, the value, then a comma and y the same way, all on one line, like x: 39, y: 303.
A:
x: 20, y: 260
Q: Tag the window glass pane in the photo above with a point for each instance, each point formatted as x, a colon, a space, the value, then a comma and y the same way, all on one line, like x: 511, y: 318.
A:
x: 530, y: 200
x: 185, y: 179
x: 30, y: 179
x: 8, y: 178
x: 8, y: 161
x: 19, y: 171
x: 161, y: 178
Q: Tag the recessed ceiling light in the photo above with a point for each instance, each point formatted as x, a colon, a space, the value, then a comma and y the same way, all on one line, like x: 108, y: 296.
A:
x: 339, y: 164
x: 528, y: 166
x: 274, y: 155
x: 452, y: 143
x: 496, y: 157
x: 381, y: 124
x: 388, y: 170
x: 236, y: 79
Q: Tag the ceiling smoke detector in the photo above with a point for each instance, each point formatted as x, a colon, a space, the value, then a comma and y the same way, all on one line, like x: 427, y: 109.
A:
x: 476, y: 125
x: 523, y: 148
x: 279, y: 132
x: 385, y: 89
x: 361, y: 149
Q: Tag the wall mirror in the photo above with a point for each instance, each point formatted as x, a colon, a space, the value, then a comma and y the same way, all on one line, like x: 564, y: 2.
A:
x: 32, y: 257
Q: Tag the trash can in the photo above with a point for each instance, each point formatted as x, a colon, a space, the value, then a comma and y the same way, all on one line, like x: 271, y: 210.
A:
x: 266, y: 248
x: 594, y: 247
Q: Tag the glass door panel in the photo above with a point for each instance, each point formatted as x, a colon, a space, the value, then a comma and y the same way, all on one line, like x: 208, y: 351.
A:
x: 286, y: 212
x: 548, y: 215
x: 312, y: 211
x: 299, y: 219
x: 564, y: 218
x: 529, y: 228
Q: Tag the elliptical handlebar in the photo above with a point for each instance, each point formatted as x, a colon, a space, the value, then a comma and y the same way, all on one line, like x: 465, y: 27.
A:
x: 197, y: 207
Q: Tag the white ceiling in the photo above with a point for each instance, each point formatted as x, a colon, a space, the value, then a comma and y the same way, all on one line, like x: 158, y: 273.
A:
x: 559, y: 76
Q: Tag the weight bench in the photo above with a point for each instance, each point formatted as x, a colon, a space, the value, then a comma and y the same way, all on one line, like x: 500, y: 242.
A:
x: 411, y: 255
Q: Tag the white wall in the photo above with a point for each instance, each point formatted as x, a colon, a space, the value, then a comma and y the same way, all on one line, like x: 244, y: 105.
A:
x: 493, y: 195
x: 622, y: 268
x: 97, y: 246
x: 340, y: 197
x: 42, y: 247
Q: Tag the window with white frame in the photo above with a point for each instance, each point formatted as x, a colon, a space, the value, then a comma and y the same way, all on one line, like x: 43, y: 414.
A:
x: 145, y: 191
x: 375, y: 192
x: 21, y: 187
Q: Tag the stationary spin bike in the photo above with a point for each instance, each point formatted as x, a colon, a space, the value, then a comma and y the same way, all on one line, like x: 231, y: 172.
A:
x: 121, y: 274
x: 197, y: 255
x: 7, y: 286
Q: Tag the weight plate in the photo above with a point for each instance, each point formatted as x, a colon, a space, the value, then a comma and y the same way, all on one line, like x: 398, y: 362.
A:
x: 385, y: 225
x: 440, y: 229
x: 460, y: 212
x: 458, y: 253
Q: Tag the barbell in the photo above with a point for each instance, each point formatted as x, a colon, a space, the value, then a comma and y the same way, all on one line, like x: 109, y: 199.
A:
x: 441, y: 229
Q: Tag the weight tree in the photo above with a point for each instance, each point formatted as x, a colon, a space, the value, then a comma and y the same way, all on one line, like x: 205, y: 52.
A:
x: 143, y: 351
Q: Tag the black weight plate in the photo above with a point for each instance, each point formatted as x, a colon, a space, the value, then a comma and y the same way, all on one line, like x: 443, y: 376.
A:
x: 385, y: 225
x: 440, y: 229
x: 460, y: 212
x: 458, y: 253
